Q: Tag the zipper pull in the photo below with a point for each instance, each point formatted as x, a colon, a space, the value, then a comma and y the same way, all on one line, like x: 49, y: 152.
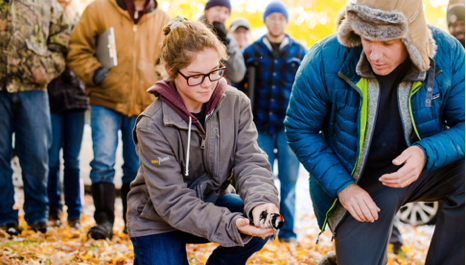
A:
x: 216, y: 132
x: 203, y: 142
x: 135, y: 28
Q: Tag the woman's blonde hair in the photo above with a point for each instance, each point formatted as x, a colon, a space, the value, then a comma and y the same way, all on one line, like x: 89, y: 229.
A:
x: 183, y: 39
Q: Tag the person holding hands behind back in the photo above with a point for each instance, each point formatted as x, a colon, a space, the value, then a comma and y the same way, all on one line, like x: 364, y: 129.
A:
x: 191, y: 141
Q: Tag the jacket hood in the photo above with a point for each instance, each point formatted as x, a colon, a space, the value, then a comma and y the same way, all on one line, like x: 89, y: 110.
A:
x: 166, y: 91
x: 152, y: 5
x: 379, y: 20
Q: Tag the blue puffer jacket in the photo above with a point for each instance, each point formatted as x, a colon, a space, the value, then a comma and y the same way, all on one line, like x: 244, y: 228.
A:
x: 330, y: 97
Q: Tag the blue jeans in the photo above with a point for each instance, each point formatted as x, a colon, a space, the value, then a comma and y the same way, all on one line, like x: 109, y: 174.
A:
x: 27, y: 114
x: 105, y: 124
x: 288, y: 167
x: 170, y: 248
x: 67, y: 132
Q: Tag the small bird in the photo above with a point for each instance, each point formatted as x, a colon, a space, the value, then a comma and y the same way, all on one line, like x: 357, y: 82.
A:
x: 276, y: 222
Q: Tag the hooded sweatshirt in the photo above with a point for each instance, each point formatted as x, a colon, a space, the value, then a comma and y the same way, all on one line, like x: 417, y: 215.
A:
x: 185, y: 167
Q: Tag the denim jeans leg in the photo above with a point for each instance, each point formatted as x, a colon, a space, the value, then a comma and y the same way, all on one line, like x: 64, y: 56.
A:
x: 170, y: 248
x: 33, y: 137
x: 164, y: 249
x: 288, y: 167
x: 73, y: 127
x: 53, y: 187
x: 130, y: 157
x: 7, y: 196
x: 267, y: 143
x: 105, y: 124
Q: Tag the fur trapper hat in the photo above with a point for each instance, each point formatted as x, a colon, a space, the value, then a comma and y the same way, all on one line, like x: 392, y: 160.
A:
x: 380, y: 20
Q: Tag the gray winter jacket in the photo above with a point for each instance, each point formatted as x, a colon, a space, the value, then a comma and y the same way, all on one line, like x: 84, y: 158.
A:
x: 236, y: 69
x: 185, y: 168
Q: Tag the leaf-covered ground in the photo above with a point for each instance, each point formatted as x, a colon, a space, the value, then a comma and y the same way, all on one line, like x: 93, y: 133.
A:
x: 70, y: 246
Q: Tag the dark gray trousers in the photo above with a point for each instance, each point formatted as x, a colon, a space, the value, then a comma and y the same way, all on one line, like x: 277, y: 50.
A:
x: 360, y: 243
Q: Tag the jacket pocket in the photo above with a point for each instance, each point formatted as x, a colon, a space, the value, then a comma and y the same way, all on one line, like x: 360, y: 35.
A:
x: 147, y: 211
x: 31, y: 62
x: 117, y: 85
x: 293, y: 64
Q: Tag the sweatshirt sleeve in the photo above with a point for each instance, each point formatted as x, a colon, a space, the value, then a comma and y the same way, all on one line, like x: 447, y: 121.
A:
x: 173, y: 201
x: 49, y: 63
x: 252, y: 170
x: 235, y: 67
x: 81, y: 59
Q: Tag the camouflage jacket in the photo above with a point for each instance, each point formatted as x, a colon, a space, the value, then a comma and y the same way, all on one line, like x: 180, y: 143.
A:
x: 34, y: 38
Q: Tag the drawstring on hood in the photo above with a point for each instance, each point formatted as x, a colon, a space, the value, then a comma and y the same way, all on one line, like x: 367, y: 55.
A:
x: 166, y: 91
x: 187, y: 148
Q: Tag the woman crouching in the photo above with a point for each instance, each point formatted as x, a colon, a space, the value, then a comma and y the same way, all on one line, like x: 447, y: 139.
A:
x: 197, y: 136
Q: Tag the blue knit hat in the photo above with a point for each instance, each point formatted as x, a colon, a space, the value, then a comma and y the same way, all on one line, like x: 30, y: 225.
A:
x: 276, y: 7
x: 211, y: 3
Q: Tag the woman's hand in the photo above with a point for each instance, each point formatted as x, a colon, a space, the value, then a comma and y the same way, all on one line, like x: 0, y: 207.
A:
x: 256, y: 213
x: 245, y: 228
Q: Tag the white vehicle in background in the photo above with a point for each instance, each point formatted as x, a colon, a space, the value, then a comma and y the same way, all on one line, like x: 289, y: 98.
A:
x: 419, y: 213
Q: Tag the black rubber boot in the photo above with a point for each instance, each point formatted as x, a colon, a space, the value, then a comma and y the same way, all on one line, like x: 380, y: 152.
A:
x: 103, y: 194
x: 329, y: 259
x: 124, y: 194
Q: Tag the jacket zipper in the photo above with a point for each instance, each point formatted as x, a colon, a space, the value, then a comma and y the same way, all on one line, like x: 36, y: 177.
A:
x: 346, y: 79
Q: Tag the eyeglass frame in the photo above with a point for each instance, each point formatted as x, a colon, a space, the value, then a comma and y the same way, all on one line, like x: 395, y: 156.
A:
x: 222, y: 67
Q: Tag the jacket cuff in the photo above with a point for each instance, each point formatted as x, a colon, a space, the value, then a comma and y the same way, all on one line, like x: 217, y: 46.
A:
x: 343, y: 187
x: 239, y: 238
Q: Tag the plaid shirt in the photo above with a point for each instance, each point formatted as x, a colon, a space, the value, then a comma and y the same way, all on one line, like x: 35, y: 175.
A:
x: 273, y: 81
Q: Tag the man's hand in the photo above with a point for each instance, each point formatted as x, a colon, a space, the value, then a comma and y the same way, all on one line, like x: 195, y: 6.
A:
x: 256, y: 213
x: 245, y: 228
x: 413, y: 160
x: 359, y: 203
x: 40, y: 76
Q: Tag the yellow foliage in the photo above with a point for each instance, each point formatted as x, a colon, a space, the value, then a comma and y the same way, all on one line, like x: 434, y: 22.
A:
x: 309, y: 20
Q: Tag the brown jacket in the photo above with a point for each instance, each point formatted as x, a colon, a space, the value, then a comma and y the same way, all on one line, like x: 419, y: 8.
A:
x: 170, y: 193
x: 124, y: 88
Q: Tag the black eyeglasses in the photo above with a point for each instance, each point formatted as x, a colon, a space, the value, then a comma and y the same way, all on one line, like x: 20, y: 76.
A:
x: 197, y: 79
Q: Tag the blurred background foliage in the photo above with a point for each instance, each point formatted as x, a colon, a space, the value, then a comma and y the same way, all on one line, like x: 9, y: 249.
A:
x: 310, y: 20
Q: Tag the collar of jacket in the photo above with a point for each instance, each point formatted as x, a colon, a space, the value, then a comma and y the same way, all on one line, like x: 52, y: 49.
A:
x: 166, y: 92
x: 264, y: 42
x: 152, y: 7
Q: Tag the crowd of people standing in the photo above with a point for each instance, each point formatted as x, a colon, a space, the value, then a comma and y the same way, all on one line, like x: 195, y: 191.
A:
x: 375, y: 114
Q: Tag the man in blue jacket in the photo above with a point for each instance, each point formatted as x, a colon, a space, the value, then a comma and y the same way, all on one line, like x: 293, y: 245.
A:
x: 276, y: 58
x: 387, y: 94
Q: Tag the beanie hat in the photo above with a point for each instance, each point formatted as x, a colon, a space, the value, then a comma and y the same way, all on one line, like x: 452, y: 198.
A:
x: 276, y: 7
x: 380, y: 20
x: 212, y: 3
x: 455, y: 13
